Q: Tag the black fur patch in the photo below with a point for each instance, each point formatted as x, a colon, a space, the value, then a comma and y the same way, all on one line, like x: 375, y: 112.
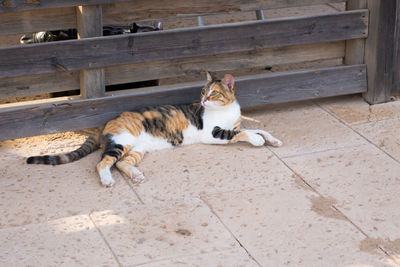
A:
x: 223, y: 134
x: 157, y: 126
x: 47, y: 160
x: 194, y: 113
x: 112, y: 149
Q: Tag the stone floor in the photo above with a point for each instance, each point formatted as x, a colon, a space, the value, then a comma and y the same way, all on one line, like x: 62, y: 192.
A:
x: 329, y: 197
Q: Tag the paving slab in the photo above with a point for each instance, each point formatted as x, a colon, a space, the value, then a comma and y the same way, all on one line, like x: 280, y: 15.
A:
x: 38, y: 193
x: 364, y: 184
x: 353, y: 110
x: 201, y: 169
x: 167, y: 231
x: 384, y: 134
x: 72, y: 241
x: 231, y: 258
x: 281, y: 227
x: 303, y: 128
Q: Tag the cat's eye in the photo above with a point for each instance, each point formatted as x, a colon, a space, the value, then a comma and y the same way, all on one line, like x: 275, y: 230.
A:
x: 214, y: 93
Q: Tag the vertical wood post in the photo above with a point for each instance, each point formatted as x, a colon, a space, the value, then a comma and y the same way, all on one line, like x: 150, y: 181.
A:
x: 200, y: 20
x: 396, y: 68
x: 379, y: 50
x: 90, y: 24
x: 259, y: 14
x: 355, y: 49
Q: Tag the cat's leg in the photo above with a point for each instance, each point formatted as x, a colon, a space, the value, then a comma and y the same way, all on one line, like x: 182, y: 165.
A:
x: 268, y: 137
x: 104, y: 170
x: 223, y: 136
x: 127, y: 165
x: 111, y: 154
x: 218, y: 136
x: 256, y: 138
x: 249, y: 137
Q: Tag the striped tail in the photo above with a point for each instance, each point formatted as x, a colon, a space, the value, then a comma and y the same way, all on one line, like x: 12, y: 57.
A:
x: 91, y: 144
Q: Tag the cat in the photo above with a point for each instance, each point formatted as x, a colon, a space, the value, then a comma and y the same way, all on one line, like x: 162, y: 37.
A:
x: 214, y: 120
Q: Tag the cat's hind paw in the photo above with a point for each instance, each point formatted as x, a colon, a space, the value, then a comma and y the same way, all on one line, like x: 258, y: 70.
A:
x: 106, y: 178
x: 137, y: 176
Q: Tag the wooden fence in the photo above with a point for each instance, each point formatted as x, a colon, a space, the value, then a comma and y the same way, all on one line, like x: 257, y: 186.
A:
x: 363, y: 37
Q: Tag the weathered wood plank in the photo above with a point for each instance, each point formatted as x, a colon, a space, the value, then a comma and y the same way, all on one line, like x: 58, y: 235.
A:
x: 355, y: 49
x: 89, y: 21
x: 379, y: 50
x: 37, y: 20
x: 396, y: 57
x: 90, y: 24
x: 63, y: 81
x: 10, y: 40
x: 92, y: 83
x: 151, y: 6
x: 223, y: 62
x: 251, y: 91
x: 161, y: 9
x: 24, y: 5
x: 35, y: 17
x: 39, y: 84
x: 181, y: 43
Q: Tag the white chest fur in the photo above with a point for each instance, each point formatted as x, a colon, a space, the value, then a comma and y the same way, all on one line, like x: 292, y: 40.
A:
x: 224, y: 117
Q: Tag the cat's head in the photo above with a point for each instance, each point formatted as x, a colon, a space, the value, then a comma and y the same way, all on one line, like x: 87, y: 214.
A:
x: 218, y: 93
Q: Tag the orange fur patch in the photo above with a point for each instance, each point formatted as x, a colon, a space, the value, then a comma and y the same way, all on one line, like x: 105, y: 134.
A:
x: 107, y: 161
x: 128, y: 161
x: 177, y: 121
x: 242, y: 136
x: 127, y: 121
x: 236, y: 126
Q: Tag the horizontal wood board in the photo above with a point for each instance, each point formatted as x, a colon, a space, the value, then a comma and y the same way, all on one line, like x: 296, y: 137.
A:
x: 62, y: 81
x: 162, y: 9
x: 181, y: 6
x: 182, y: 43
x: 36, y: 21
x: 127, y: 12
x: 251, y: 91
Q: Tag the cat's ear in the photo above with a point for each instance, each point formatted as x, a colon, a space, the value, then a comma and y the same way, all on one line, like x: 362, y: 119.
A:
x: 229, y: 82
x: 209, y: 76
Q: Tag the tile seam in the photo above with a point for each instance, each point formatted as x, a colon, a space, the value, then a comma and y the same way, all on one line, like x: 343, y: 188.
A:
x: 105, y: 240
x: 373, y: 144
x: 229, y: 230
x: 181, y: 256
x: 358, y: 133
x: 133, y: 189
x: 321, y: 151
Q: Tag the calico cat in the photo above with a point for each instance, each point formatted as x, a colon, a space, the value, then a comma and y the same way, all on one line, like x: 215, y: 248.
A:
x: 215, y: 120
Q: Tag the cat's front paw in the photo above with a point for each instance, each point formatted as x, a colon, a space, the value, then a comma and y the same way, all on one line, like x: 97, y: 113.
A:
x: 269, y: 139
x: 256, y: 139
x: 137, y: 176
